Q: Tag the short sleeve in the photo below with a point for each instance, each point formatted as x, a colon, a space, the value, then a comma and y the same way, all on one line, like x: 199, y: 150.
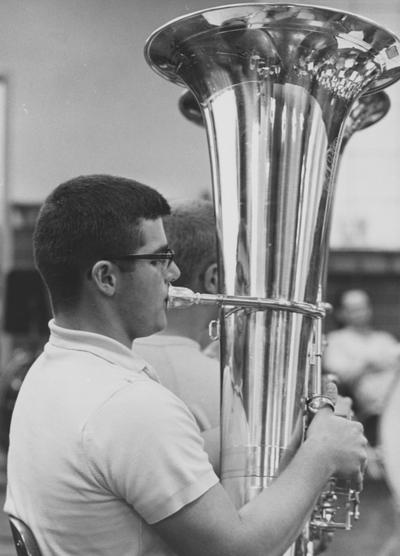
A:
x: 144, y: 446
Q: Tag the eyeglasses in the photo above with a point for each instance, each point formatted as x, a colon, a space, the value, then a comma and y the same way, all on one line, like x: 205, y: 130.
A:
x: 165, y: 257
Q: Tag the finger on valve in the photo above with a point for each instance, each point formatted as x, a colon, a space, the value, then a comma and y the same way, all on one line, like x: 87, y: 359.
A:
x: 343, y: 441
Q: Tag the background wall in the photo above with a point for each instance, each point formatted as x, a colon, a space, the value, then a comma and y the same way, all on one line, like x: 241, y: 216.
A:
x: 81, y: 99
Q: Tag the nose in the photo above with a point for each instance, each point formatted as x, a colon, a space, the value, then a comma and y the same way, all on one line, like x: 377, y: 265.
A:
x: 173, y: 272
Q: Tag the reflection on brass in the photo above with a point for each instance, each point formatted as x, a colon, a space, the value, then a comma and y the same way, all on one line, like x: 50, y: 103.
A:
x: 275, y: 85
x: 366, y: 111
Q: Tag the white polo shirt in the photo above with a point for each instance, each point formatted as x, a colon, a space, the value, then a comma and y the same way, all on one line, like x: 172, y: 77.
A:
x: 99, y: 450
x: 184, y: 369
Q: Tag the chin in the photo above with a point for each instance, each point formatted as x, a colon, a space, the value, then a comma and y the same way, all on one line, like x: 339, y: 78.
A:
x: 161, y: 325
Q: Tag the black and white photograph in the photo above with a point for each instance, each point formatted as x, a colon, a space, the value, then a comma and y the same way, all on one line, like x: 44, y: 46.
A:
x: 199, y: 278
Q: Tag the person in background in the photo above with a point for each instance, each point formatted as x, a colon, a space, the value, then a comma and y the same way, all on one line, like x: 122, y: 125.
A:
x: 365, y: 362
x: 105, y: 460
x: 390, y: 450
x: 176, y: 352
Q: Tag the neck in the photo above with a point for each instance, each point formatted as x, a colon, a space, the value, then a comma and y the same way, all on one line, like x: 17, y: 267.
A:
x: 93, y: 319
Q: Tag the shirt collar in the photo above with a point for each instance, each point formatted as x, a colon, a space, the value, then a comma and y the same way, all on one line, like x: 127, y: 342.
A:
x: 167, y: 340
x: 101, y: 346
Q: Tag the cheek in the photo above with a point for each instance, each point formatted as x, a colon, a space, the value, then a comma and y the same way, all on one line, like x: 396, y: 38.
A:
x: 151, y: 294
x: 148, y: 289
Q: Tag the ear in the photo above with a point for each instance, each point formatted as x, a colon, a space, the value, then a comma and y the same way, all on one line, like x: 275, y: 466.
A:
x: 104, y: 277
x: 211, y: 279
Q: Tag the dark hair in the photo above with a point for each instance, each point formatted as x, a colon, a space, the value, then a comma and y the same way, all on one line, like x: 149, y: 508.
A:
x: 86, y: 219
x: 191, y: 233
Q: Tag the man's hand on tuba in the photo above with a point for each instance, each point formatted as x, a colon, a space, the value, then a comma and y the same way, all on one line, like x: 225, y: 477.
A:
x: 342, y: 441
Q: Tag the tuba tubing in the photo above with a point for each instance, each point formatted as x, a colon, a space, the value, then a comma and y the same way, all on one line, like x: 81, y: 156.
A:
x: 179, y: 298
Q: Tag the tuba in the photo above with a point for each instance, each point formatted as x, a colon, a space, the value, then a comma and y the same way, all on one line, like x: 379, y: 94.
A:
x: 275, y: 84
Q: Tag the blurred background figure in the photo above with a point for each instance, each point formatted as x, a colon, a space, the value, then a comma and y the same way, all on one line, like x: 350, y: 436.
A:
x: 365, y: 363
x: 26, y: 314
x: 177, y: 352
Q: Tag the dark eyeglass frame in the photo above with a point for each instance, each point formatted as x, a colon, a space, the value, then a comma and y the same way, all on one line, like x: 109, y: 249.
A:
x: 167, y: 255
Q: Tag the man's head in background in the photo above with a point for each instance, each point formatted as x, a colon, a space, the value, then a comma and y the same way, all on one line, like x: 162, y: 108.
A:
x: 355, y: 308
x: 191, y: 233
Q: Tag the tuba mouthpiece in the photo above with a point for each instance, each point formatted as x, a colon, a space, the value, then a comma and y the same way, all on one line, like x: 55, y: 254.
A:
x: 181, y: 298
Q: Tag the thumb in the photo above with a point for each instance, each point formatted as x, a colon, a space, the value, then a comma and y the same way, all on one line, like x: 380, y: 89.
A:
x: 331, y: 391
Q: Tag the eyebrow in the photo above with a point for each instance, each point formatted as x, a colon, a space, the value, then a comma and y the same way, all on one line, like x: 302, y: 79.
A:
x: 161, y: 249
